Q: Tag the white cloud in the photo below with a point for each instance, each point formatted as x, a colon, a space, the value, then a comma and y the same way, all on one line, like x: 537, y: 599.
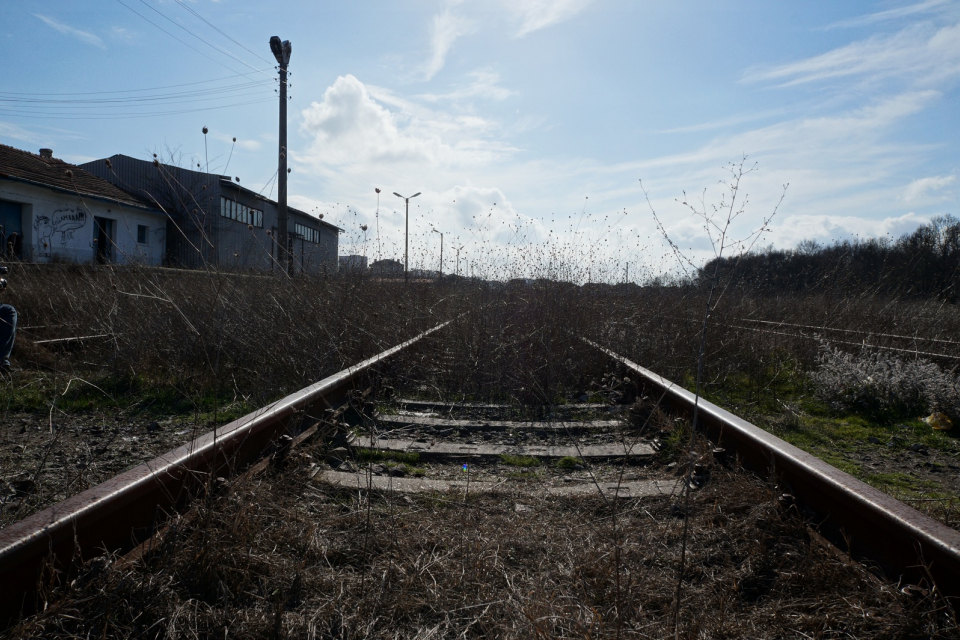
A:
x: 825, y: 229
x: 537, y: 14
x: 83, y: 36
x: 15, y: 132
x: 920, y: 188
x: 483, y: 84
x: 891, y: 14
x: 351, y: 128
x: 446, y: 28
x: 919, y: 53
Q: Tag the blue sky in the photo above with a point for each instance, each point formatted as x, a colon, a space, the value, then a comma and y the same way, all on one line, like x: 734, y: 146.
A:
x: 526, y: 124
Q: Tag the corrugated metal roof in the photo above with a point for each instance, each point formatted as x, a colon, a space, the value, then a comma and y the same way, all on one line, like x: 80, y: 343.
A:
x: 31, y: 168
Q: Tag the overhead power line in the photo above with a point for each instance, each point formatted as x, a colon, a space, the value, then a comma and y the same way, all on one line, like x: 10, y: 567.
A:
x: 169, y: 86
x: 32, y: 114
x: 127, y: 100
x: 176, y: 38
x: 221, y: 32
x: 209, y: 44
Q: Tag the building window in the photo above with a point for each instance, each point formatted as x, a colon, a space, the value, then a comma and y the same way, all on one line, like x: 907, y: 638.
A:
x: 305, y: 232
x: 141, y: 234
x: 240, y: 212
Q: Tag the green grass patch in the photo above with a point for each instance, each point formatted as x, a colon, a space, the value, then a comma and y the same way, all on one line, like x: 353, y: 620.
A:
x: 519, y: 461
x: 409, y: 470
x: 891, y: 482
x: 568, y: 463
x: 378, y: 455
x: 32, y: 392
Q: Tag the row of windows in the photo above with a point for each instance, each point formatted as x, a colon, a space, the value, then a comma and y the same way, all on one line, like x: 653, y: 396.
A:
x: 240, y: 212
x: 313, y: 235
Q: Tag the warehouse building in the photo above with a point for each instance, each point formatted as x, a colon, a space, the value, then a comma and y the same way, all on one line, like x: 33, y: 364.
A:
x: 212, y: 220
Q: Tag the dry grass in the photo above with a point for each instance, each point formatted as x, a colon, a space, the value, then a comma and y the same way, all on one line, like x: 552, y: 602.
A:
x: 281, y: 556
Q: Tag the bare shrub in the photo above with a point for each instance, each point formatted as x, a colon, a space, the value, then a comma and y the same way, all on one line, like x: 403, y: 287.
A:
x: 879, y: 382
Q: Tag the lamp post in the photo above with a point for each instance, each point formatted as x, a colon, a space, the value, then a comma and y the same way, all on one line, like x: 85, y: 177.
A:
x: 441, y: 252
x: 406, y: 236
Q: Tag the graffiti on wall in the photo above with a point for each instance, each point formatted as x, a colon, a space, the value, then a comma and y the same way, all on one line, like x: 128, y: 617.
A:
x: 64, y: 222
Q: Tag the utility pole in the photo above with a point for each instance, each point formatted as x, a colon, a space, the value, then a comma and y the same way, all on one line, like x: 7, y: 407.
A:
x: 281, y: 51
x: 458, y: 257
x: 406, y: 237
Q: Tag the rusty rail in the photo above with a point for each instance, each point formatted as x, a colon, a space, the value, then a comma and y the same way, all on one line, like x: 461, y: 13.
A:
x: 116, y: 513
x: 905, y: 543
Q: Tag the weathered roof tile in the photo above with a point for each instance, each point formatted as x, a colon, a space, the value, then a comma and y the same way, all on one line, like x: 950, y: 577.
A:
x: 53, y: 172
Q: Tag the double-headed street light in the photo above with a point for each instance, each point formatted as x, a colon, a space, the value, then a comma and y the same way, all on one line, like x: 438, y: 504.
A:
x: 406, y: 236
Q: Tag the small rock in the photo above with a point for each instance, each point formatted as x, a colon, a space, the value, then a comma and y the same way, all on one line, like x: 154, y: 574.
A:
x: 873, y: 440
x: 522, y: 508
x: 220, y: 486
x: 378, y: 469
x: 398, y: 472
x: 338, y: 457
x: 153, y: 426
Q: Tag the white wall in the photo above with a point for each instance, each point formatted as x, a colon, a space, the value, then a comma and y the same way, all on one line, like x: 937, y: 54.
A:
x: 59, y: 226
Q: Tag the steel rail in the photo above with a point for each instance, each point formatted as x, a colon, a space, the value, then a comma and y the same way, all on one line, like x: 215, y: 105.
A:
x: 906, y: 544
x: 114, y: 514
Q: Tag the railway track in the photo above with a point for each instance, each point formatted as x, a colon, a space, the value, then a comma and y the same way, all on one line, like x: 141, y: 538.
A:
x: 417, y: 445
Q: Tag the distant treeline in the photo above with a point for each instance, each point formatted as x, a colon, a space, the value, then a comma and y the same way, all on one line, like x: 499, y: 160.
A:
x: 925, y: 263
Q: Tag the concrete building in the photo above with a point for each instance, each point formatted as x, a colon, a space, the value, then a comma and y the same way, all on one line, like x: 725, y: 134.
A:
x: 51, y: 210
x: 353, y: 264
x: 213, y: 221
x: 387, y: 267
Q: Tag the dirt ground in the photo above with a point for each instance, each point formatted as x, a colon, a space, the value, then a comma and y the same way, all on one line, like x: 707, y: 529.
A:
x: 41, y: 464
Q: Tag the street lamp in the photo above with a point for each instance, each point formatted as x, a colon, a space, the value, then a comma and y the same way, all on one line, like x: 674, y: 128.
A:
x: 406, y: 236
x: 458, y: 256
x: 441, y: 251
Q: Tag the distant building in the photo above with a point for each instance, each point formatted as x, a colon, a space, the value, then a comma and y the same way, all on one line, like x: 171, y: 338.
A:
x: 212, y: 220
x: 387, y: 267
x: 354, y: 264
x: 51, y: 210
x: 421, y: 274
